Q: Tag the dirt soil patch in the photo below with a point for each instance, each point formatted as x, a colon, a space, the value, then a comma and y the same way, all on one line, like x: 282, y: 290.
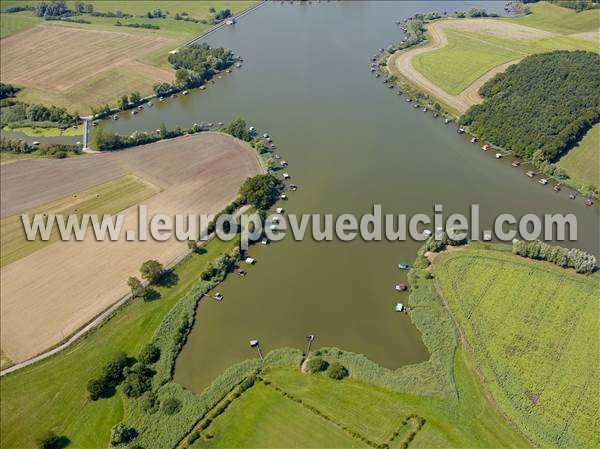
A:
x: 51, y: 293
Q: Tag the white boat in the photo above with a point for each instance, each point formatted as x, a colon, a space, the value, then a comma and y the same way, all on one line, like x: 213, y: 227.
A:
x: 286, y: 176
x: 35, y: 143
x: 400, y: 307
x: 265, y: 135
x: 250, y: 261
x: 487, y: 236
x: 252, y: 129
x: 218, y: 296
x: 498, y: 155
x: 543, y: 181
x: 427, y: 233
x: 279, y: 210
x: 273, y: 227
x: 283, y: 196
x: 265, y: 241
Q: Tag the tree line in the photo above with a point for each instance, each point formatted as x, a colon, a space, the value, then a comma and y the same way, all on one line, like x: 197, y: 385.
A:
x: 581, y: 261
x: 15, y: 114
x: 544, y: 104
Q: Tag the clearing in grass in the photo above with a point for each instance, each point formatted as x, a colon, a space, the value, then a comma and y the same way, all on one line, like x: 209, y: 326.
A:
x: 532, y: 327
x: 108, y: 198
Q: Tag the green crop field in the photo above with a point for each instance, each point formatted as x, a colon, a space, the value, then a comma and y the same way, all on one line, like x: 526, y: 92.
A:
x: 262, y: 417
x: 108, y: 198
x: 534, y: 331
x: 557, y: 19
x: 582, y: 161
x: 469, y: 55
x: 52, y: 394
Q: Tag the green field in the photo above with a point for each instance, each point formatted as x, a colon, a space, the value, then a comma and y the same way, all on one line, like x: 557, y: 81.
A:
x: 49, y: 132
x: 52, y: 394
x: 534, y: 331
x: 108, y: 198
x: 180, y: 29
x: 583, y: 161
x: 262, y: 416
x: 561, y: 20
x: 14, y: 23
x: 470, y: 55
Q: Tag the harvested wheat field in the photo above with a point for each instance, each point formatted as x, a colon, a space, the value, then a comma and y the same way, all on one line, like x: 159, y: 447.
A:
x: 54, y: 291
x: 77, y: 68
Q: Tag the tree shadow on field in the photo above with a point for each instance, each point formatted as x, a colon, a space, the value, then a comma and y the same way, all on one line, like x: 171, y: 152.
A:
x: 168, y: 279
x: 151, y: 294
x: 200, y: 250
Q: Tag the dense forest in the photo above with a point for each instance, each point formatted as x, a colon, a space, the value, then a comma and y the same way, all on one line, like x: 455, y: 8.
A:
x: 16, y: 114
x: 197, y: 63
x: 541, y: 106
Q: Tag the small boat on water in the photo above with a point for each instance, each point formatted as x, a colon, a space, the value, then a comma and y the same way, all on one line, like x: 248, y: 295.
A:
x: 408, y: 100
x: 424, y: 109
x: 250, y: 261
x: 543, y: 181
x: 460, y: 130
x: 218, y: 296
x: 485, y: 147
x: 185, y: 92
x: 279, y: 210
x: 447, y: 120
x: 403, y: 265
x: 134, y: 112
x: 531, y: 174
x: 241, y: 272
x: 401, y: 287
x: 498, y: 155
x: 115, y: 117
x: 202, y: 87
x: 473, y: 139
x: 427, y: 233
x: 589, y: 202
x: 293, y: 187
x: 515, y: 163
x: 220, y: 123
x: 400, y: 307
x: 283, y: 196
x: 377, y: 75
x: 557, y: 187
x: 572, y: 195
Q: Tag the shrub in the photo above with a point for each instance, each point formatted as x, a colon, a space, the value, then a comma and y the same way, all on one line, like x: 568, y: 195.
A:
x: 121, y: 434
x: 150, y: 354
x: 50, y: 440
x: 316, y: 364
x: 171, y: 406
x: 149, y: 402
x: 337, y: 371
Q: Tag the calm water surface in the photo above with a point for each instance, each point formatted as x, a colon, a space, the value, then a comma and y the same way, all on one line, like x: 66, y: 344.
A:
x: 351, y: 143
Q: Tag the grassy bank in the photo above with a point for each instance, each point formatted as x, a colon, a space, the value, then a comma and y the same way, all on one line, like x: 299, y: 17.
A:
x: 52, y: 394
x: 529, y: 326
x: 582, y: 161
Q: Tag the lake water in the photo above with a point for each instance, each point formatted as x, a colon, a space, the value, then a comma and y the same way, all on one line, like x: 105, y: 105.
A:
x: 351, y: 143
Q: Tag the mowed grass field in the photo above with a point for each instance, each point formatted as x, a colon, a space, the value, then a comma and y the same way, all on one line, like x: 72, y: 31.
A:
x: 557, y: 19
x: 109, y: 198
x: 534, y: 331
x: 50, y: 132
x: 52, y: 394
x: 265, y: 418
x: 582, y: 162
x: 471, y: 54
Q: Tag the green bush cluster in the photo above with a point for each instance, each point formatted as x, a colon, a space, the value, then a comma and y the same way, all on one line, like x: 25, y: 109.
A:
x: 111, y: 376
x: 578, y: 259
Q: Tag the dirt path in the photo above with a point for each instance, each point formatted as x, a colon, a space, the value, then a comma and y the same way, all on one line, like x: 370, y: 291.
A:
x: 438, y: 39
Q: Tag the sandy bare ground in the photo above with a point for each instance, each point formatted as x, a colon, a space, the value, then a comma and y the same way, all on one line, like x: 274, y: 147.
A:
x: 403, y: 60
x: 592, y: 36
x: 50, y: 294
x: 57, y: 58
